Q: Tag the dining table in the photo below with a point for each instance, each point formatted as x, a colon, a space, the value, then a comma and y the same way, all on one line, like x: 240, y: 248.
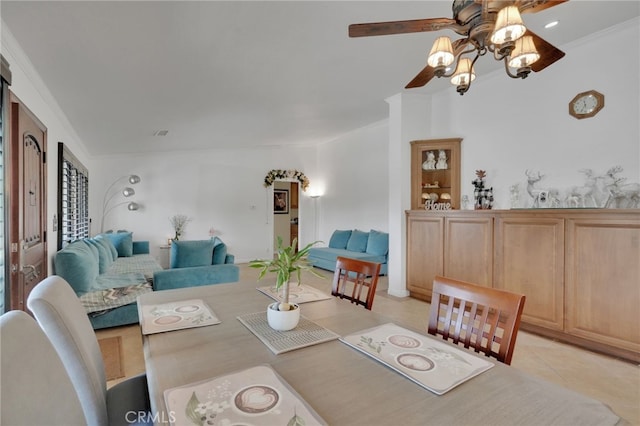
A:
x: 342, y: 385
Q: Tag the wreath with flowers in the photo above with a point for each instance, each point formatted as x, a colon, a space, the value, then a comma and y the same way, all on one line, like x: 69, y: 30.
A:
x: 274, y: 175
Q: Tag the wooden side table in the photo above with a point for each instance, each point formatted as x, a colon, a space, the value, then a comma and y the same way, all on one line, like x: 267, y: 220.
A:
x: 165, y: 252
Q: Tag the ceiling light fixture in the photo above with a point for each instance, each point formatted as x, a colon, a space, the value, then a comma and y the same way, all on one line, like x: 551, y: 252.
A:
x: 551, y: 24
x: 503, y: 35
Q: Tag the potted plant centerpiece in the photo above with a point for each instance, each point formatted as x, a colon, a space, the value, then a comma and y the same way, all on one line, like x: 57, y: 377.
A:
x: 283, y: 315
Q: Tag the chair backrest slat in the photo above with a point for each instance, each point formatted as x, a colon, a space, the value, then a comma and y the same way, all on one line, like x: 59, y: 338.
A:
x: 481, y: 318
x: 362, y: 274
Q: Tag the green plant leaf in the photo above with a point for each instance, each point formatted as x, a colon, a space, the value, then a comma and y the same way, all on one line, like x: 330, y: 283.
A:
x: 190, y: 410
x: 286, y: 262
x: 296, y: 420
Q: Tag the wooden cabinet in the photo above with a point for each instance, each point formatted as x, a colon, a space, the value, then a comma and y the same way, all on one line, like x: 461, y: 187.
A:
x: 430, y: 177
x: 425, y: 253
x: 603, y: 280
x: 458, y: 247
x: 529, y: 259
x: 578, y: 268
x: 468, y: 242
x: 294, y: 195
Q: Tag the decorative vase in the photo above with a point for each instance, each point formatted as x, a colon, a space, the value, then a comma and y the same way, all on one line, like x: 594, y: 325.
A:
x: 283, y: 320
x: 177, y: 237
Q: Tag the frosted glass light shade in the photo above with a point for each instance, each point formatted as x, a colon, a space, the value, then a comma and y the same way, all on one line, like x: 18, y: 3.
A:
x: 441, y: 54
x: 128, y: 192
x: 463, y: 70
x: 524, y: 53
x: 133, y: 179
x: 133, y: 206
x: 509, y: 26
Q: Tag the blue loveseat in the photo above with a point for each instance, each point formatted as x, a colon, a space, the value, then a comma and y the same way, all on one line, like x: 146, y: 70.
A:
x: 195, y: 263
x: 372, y: 246
x: 108, y: 272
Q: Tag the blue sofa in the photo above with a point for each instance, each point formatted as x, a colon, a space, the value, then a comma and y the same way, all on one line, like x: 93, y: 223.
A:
x: 372, y: 246
x: 108, y: 272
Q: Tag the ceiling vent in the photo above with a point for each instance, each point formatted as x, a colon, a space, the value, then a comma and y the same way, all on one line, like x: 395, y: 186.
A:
x: 160, y: 133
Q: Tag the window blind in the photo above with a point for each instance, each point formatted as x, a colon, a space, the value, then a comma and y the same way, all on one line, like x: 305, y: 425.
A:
x: 73, y: 198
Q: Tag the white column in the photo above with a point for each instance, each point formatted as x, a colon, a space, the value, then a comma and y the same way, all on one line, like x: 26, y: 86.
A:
x: 409, y: 118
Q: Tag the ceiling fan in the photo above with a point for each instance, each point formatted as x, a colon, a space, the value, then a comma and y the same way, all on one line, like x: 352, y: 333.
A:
x: 486, y: 26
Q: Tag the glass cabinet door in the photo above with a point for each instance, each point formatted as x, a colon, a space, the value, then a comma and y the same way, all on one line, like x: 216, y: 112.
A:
x: 435, y: 174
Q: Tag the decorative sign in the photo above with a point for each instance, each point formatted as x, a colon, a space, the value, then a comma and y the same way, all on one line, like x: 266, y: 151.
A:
x: 432, y: 205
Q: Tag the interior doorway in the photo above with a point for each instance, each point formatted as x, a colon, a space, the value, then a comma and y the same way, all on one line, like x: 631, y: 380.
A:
x: 286, y: 209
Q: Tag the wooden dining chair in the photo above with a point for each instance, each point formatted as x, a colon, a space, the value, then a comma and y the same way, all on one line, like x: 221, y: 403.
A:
x: 483, y: 318
x: 358, y: 275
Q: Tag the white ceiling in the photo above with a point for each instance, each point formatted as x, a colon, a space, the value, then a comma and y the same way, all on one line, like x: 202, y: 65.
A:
x: 241, y: 74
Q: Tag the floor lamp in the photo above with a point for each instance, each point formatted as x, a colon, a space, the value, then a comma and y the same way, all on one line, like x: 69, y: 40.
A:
x: 126, y: 192
x: 315, y: 216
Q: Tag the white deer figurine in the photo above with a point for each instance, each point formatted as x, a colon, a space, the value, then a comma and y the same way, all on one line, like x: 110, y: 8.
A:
x: 583, y: 196
x: 539, y: 195
x: 621, y: 195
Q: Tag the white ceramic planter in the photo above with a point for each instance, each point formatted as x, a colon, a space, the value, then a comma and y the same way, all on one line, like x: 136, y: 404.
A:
x: 283, y: 320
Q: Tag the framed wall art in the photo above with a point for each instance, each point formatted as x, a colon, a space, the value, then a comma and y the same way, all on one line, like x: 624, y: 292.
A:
x: 281, y: 201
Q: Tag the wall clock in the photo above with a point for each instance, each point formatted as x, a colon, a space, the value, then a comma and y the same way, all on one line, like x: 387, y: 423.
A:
x: 586, y: 104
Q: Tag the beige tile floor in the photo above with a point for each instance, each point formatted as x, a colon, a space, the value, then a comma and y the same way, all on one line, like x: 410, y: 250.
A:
x: 612, y: 381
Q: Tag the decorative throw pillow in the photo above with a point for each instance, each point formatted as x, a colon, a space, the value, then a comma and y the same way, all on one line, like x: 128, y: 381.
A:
x: 219, y: 254
x: 123, y: 242
x: 358, y: 241
x: 378, y: 243
x: 339, y: 239
x: 93, y: 249
x: 107, y: 243
x: 77, y: 264
x: 185, y: 254
x: 104, y: 255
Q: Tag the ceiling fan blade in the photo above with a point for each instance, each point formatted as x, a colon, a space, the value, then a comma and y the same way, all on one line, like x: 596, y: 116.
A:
x: 537, y: 6
x: 548, y: 52
x: 422, y: 78
x: 401, y: 27
x: 428, y: 72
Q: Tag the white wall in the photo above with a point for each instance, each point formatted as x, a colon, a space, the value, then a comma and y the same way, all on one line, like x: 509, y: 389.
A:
x: 223, y: 189
x: 220, y: 189
x: 510, y: 125
x: 353, y: 171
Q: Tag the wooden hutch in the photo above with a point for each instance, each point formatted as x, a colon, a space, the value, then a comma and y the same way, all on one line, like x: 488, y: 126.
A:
x: 579, y: 268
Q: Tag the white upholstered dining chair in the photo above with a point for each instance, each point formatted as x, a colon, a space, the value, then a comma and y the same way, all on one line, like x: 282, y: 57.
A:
x: 35, y: 388
x: 62, y: 317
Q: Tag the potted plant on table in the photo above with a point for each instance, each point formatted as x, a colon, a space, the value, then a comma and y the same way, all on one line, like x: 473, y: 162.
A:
x: 285, y: 263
